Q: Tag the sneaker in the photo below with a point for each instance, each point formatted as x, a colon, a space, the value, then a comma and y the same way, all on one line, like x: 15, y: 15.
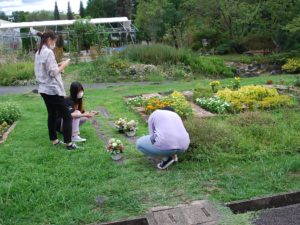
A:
x: 58, y: 143
x: 77, y: 138
x: 72, y: 147
x: 164, y: 164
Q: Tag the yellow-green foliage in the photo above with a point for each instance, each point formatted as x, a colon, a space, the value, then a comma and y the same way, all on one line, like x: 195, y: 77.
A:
x: 254, y: 97
x: 292, y: 65
x: 10, y: 73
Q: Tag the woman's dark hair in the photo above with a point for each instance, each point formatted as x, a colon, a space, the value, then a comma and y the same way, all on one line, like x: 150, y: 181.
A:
x: 169, y: 108
x: 44, y: 37
x: 75, y: 88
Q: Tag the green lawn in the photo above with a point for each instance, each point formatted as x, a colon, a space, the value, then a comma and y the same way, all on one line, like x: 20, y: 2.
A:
x: 41, y: 184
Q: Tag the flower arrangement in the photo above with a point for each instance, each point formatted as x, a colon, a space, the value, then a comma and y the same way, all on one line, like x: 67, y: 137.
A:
x: 215, y: 85
x: 131, y: 125
x: 115, y: 146
x: 214, y: 104
x: 120, y: 124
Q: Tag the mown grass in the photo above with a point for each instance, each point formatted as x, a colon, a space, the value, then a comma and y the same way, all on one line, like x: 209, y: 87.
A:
x: 45, y: 185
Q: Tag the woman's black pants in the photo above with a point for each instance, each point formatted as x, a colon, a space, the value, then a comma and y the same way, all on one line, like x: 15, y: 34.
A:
x: 56, y: 105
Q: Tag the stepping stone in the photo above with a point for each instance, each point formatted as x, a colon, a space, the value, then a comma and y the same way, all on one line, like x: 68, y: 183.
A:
x: 100, y: 134
x: 196, y: 213
x: 103, y: 111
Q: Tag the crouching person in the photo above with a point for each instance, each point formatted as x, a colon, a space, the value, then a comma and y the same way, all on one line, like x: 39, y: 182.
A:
x: 168, y: 137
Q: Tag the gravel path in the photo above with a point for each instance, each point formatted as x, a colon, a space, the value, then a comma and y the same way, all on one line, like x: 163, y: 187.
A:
x: 288, y: 215
x: 24, y: 89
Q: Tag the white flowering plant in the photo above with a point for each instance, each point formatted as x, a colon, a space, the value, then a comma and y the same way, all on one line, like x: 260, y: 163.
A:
x: 115, y: 146
x: 131, y: 125
x: 136, y: 101
x: 214, y: 104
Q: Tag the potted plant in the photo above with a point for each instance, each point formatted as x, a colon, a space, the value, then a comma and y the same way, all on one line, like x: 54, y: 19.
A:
x: 120, y: 124
x: 130, y: 128
x: 115, y: 148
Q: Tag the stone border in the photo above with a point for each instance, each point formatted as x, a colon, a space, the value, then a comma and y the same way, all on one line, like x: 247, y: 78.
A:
x: 5, y: 135
x: 136, y: 221
x: 242, y: 206
x: 273, y: 201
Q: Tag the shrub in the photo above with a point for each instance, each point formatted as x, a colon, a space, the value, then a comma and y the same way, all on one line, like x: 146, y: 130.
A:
x: 213, y: 66
x: 11, y: 73
x: 202, y: 92
x: 254, y: 97
x: 214, y: 104
x: 136, y: 101
x: 176, y: 100
x: 9, y: 113
x: 292, y: 65
x: 157, y: 54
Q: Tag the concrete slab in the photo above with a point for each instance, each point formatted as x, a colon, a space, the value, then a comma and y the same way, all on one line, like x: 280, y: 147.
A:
x: 196, y: 213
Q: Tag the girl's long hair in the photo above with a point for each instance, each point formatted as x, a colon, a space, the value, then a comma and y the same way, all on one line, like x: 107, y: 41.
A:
x: 44, y: 37
x: 75, y: 88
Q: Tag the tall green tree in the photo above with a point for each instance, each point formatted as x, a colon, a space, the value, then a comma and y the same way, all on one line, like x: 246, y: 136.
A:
x: 56, y: 12
x: 101, y: 8
x: 3, y: 16
x: 81, y: 10
x: 69, y: 12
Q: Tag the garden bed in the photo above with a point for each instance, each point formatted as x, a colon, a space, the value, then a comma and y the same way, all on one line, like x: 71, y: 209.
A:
x: 197, y: 110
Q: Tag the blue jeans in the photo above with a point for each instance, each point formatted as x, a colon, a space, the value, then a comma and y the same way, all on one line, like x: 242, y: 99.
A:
x: 145, y: 145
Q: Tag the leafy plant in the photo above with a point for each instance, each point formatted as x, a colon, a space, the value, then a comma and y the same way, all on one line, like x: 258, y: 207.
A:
x: 11, y: 73
x: 176, y: 100
x: 3, y: 127
x: 236, y: 83
x: 214, y: 104
x: 9, y: 112
x: 136, y: 101
x: 215, y: 85
x: 254, y: 97
x: 292, y: 65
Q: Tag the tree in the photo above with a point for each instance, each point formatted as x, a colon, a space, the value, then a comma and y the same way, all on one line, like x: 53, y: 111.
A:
x: 294, y: 26
x: 84, y: 34
x: 40, y: 16
x: 3, y: 16
x: 56, y: 12
x: 69, y: 13
x: 101, y: 8
x: 81, y: 10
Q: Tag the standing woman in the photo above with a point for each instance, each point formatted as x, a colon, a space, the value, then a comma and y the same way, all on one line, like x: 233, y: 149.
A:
x: 51, y: 88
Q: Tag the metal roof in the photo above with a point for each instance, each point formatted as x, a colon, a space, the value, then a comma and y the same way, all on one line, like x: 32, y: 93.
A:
x: 62, y: 23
